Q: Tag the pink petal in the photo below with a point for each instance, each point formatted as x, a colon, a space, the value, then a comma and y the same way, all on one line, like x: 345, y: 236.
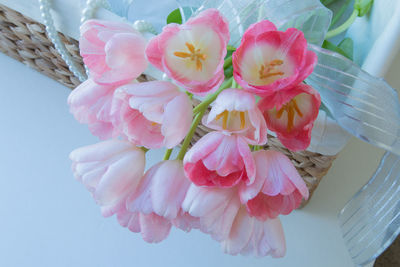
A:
x: 124, y: 62
x: 250, y: 236
x: 203, y: 147
x: 100, y: 151
x: 121, y: 177
x: 169, y: 187
x: 154, y: 228
x: 216, y: 208
x: 258, y: 28
x: 248, y: 159
x: 177, y: 120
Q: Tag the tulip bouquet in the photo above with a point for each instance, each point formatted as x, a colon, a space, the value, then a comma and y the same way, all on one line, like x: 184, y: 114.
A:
x: 226, y: 185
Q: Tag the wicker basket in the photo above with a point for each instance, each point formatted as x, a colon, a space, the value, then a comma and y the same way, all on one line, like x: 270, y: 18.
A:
x: 26, y: 41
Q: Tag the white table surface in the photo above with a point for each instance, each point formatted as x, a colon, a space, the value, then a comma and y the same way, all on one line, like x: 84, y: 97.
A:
x: 49, y: 219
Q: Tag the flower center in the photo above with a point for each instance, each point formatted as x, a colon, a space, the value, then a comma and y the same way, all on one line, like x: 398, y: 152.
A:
x: 269, y: 70
x: 291, y: 108
x: 194, y: 55
x: 232, y: 116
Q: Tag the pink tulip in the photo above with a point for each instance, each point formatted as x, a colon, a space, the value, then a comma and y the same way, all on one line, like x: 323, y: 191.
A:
x: 193, y: 53
x: 277, y: 189
x: 292, y: 114
x: 220, y: 160
x: 215, y: 209
x: 90, y: 103
x: 110, y: 170
x: 114, y: 52
x: 269, y: 61
x: 221, y: 215
x: 249, y: 236
x: 235, y: 111
x: 161, y: 191
x: 152, y: 114
x: 152, y: 227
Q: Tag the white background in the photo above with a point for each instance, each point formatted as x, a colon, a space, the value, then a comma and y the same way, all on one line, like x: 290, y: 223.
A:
x: 49, y: 219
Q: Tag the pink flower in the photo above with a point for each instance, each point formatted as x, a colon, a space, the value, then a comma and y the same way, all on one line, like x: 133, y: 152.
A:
x: 221, y: 215
x: 292, y: 114
x: 152, y: 227
x: 220, y: 160
x: 251, y: 236
x: 193, y: 53
x: 90, y: 103
x: 277, y: 189
x: 236, y: 111
x: 215, y: 209
x: 110, y: 169
x: 161, y: 191
x: 153, y: 114
x: 114, y: 52
x: 269, y: 61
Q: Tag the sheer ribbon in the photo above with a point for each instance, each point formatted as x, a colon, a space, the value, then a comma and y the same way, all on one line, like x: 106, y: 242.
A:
x: 364, y: 105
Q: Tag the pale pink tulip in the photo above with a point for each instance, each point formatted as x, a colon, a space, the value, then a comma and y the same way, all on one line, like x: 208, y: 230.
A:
x: 193, y: 53
x: 220, y: 160
x: 152, y: 114
x: 215, y: 209
x: 235, y: 111
x: 269, y: 61
x: 292, y: 114
x: 249, y: 236
x: 161, y: 190
x: 110, y: 170
x: 221, y: 215
x: 152, y: 227
x: 90, y: 103
x: 114, y: 52
x: 277, y: 189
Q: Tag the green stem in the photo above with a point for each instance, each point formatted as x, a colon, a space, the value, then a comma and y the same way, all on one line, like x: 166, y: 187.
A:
x: 190, y: 95
x: 167, y: 154
x: 144, y: 149
x: 235, y: 84
x: 340, y: 12
x: 343, y: 27
x: 228, y: 62
x: 257, y: 148
x: 211, y: 98
x: 189, y: 136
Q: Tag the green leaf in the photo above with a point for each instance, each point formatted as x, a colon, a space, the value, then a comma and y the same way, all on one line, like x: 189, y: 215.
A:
x: 175, y: 17
x: 345, y: 48
x: 363, y: 6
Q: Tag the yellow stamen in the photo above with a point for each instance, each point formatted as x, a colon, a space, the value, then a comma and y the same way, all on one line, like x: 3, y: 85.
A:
x: 292, y: 109
x: 182, y: 54
x: 297, y: 108
x: 267, y: 72
x: 290, y: 119
x: 194, y: 55
x: 199, y: 66
x: 224, y: 115
x: 191, y: 47
x: 242, y: 120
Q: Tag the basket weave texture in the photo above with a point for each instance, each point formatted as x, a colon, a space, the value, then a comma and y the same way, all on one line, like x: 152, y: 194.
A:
x: 26, y: 41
